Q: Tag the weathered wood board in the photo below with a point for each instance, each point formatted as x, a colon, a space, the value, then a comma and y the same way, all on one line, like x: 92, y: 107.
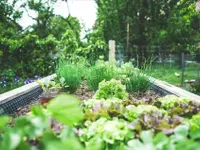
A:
x: 175, y: 90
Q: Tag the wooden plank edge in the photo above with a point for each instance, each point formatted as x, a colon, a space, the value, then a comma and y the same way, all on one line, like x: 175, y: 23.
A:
x: 175, y: 90
x: 7, y: 96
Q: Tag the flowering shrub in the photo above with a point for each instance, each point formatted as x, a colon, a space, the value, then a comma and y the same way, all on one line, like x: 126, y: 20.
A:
x: 10, y: 82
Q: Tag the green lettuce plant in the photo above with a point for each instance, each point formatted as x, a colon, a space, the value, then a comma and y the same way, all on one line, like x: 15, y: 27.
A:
x: 111, y: 89
x: 194, y: 123
x: 109, y: 108
x: 33, y: 131
x: 133, y: 112
x: 171, y: 101
x: 109, y: 131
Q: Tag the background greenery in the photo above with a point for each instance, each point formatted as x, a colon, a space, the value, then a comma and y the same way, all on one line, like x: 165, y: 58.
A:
x: 135, y: 25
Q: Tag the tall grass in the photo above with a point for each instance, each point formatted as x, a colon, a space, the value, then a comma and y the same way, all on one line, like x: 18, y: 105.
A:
x: 138, y: 82
x: 99, y: 72
x: 72, y: 74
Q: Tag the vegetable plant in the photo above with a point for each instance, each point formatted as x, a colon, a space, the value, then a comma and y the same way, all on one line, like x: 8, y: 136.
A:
x: 111, y: 89
x: 71, y: 75
x: 137, y: 82
x: 100, y: 71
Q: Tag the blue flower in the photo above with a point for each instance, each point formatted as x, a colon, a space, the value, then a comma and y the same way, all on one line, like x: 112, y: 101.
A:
x: 4, y: 85
x: 16, y: 79
x: 3, y: 77
x: 37, y: 77
x: 31, y: 80
x: 26, y: 81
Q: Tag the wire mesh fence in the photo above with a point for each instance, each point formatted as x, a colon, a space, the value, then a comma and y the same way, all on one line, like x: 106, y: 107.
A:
x: 181, y: 68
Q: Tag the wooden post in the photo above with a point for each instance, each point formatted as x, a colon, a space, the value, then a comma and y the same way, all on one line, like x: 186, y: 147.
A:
x: 111, y: 50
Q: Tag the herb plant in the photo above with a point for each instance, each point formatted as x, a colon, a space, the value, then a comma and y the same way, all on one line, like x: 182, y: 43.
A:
x: 99, y: 72
x: 71, y: 73
x: 137, y: 82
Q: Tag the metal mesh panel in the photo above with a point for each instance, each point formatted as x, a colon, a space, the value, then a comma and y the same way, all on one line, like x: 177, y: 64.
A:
x: 10, y: 107
x: 159, y: 90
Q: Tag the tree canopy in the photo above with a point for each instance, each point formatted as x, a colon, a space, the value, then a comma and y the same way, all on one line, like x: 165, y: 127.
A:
x: 148, y: 22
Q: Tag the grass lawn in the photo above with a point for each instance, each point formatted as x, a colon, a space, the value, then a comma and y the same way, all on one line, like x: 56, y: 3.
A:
x: 167, y: 72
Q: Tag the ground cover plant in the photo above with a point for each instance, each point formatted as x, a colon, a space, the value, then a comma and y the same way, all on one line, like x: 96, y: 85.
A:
x: 110, y: 122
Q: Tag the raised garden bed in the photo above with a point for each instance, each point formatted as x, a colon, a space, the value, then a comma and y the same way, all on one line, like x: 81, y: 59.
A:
x: 108, y: 119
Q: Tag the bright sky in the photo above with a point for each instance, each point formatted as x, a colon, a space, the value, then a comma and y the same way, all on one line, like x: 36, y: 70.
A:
x: 84, y: 10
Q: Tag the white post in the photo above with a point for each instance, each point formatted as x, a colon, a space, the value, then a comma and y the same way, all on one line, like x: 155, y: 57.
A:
x: 111, y: 50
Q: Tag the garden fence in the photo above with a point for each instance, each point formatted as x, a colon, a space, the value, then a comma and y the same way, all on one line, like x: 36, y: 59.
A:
x: 184, y: 66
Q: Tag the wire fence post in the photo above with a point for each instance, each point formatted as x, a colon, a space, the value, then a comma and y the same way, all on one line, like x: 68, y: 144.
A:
x: 182, y: 67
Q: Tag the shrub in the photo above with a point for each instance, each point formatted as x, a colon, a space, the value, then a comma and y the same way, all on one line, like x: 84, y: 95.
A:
x: 99, y: 72
x: 111, y: 89
x: 71, y: 74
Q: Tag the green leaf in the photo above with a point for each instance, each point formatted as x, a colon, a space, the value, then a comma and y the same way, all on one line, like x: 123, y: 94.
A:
x: 66, y: 109
x: 181, y: 130
x: 11, y: 140
x: 195, y: 134
x: 4, y: 120
x: 160, y: 141
x: 96, y: 143
x: 147, y: 136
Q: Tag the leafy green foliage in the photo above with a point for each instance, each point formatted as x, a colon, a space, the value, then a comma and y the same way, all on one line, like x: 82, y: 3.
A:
x: 94, y: 108
x: 149, y: 22
x: 110, y: 131
x: 49, y: 87
x: 71, y: 73
x: 65, y: 105
x: 160, y: 141
x: 111, y: 89
x: 170, y: 101
x: 99, y: 72
x: 133, y: 112
x: 33, y: 131
x: 35, y: 49
x: 178, y: 106
x: 137, y: 83
x: 195, y: 123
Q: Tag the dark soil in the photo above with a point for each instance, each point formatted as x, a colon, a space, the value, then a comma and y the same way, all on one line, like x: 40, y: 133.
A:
x: 83, y: 92
x: 147, y: 97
